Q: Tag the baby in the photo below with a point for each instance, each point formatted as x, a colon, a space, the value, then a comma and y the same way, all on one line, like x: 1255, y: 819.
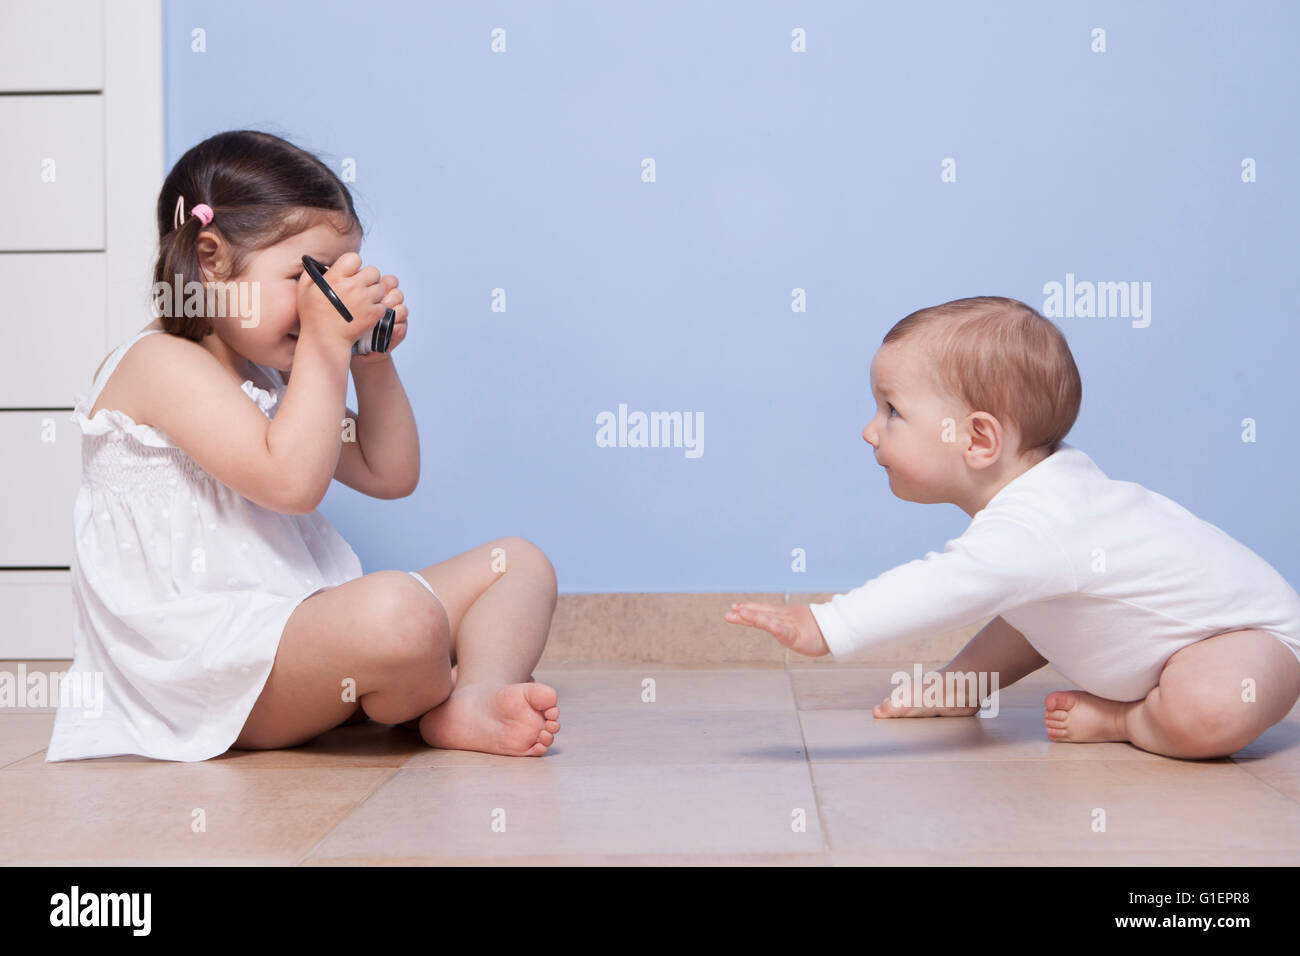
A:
x: 1184, y: 641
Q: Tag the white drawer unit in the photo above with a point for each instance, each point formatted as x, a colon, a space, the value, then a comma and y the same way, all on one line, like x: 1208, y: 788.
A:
x: 52, y: 172
x: 43, y: 461
x: 36, y: 611
x: 51, y: 47
x: 81, y: 162
x: 60, y: 295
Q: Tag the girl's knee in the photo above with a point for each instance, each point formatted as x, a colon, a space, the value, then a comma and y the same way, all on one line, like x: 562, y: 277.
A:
x: 520, y: 552
x: 410, y: 627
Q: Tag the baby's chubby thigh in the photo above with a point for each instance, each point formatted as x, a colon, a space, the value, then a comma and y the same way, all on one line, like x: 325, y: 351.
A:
x: 1229, y: 688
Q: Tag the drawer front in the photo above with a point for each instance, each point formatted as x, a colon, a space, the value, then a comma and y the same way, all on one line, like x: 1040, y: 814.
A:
x: 42, y: 475
x: 50, y: 47
x: 54, y: 318
x: 36, y: 611
x: 52, y: 173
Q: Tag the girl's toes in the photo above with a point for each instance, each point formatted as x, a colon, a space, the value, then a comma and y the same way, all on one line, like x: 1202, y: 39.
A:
x: 546, y: 737
x: 553, y: 726
x: 540, y: 697
x: 536, y: 750
x: 552, y: 714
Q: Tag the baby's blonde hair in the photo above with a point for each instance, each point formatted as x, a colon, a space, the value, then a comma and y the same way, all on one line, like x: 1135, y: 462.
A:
x: 1000, y: 356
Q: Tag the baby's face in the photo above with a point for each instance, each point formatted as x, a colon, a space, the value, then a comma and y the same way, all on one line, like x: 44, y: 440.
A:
x: 908, y: 429
x: 276, y: 270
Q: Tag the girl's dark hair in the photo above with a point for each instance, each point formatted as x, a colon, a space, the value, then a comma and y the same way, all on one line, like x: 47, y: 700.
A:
x: 262, y: 189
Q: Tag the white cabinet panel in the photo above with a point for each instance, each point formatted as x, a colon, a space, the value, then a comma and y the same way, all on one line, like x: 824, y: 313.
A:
x: 42, y: 465
x: 53, y: 316
x: 52, y: 173
x: 80, y: 106
x: 51, y: 46
x: 36, y: 615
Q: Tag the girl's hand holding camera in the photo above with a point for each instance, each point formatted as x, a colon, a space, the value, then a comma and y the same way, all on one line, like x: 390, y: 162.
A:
x: 364, y: 293
x: 392, y: 299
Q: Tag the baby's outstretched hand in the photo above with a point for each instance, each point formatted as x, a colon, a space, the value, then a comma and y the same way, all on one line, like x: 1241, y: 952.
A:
x: 795, y: 626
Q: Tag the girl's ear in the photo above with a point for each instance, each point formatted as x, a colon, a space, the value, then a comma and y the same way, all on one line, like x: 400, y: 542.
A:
x: 214, y: 256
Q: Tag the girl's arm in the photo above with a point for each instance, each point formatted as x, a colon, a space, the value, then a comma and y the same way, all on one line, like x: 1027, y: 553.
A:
x: 284, y: 464
x: 305, y: 433
x: 380, y: 454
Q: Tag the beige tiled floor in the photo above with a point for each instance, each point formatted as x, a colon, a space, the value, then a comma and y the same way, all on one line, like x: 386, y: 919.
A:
x: 717, y: 768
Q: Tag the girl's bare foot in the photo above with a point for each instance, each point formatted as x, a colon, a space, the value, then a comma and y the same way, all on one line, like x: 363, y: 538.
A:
x: 518, y: 720
x: 414, y: 722
x: 1077, y: 717
x: 887, y: 708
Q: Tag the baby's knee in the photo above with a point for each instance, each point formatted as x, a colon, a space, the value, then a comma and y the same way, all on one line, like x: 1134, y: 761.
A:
x: 1204, y: 715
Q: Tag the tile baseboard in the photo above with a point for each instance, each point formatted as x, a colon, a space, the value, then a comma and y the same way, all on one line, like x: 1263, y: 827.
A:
x: 689, y: 629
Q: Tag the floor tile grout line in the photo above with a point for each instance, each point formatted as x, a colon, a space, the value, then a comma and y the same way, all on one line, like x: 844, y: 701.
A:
x: 1239, y: 764
x: 807, y: 756
x: 7, y: 766
x: 379, y: 784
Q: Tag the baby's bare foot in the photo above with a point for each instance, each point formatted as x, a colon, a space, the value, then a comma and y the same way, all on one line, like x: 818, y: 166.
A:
x: 887, y: 708
x: 1077, y: 717
x: 518, y: 720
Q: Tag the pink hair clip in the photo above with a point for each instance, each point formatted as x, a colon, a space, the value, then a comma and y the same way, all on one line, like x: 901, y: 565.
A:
x: 202, y: 210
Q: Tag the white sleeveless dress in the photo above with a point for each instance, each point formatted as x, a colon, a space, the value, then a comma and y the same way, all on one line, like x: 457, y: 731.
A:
x: 181, y: 590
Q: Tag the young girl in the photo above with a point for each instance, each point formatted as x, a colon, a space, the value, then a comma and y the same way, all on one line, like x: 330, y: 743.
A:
x: 218, y: 606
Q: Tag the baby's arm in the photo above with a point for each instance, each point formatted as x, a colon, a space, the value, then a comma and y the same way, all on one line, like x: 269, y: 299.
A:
x: 998, y: 647
x: 997, y: 564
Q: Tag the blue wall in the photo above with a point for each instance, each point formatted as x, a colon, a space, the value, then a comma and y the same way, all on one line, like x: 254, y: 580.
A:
x: 779, y: 170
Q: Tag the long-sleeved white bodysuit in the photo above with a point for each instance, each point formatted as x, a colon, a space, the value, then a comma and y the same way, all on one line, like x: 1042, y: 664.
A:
x: 1105, y: 579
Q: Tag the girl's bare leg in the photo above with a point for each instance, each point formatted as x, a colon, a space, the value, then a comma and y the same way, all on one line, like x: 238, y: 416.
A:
x: 379, y: 643
x: 499, y: 599
x: 997, y: 648
x: 1213, y: 698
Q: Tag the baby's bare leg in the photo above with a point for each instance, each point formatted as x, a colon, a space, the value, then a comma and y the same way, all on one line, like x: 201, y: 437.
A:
x: 997, y: 648
x: 1213, y: 698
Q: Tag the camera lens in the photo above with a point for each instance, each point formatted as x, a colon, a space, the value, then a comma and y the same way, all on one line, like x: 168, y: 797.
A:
x: 379, y: 338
